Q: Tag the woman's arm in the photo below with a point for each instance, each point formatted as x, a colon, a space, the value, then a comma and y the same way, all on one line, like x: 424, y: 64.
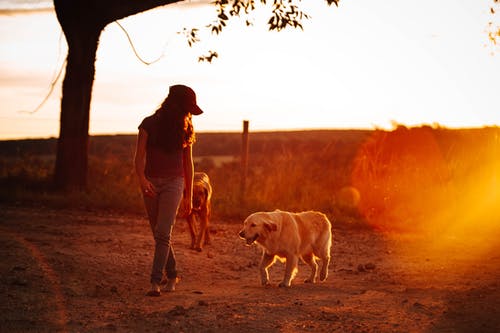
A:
x: 187, y: 154
x: 140, y: 163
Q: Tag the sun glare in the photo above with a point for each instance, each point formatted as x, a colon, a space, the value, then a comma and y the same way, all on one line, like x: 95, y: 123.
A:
x: 440, y: 183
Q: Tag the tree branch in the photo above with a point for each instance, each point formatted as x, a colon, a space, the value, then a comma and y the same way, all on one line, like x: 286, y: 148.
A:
x: 96, y: 14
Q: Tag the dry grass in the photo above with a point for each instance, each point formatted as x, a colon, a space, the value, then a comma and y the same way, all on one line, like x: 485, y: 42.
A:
x: 405, y: 179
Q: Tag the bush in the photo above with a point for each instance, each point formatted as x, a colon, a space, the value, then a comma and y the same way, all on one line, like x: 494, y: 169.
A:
x: 405, y: 179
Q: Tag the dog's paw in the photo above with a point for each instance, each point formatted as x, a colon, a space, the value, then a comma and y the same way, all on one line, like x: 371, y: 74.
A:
x: 309, y: 281
x: 283, y: 284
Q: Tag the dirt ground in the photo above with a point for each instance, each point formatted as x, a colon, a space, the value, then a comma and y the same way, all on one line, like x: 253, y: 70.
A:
x: 69, y: 271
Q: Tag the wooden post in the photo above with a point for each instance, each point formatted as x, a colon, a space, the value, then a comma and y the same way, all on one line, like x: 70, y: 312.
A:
x: 244, y: 161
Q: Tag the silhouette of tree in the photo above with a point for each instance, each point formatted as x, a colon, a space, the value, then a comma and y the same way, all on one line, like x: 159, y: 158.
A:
x: 82, y: 22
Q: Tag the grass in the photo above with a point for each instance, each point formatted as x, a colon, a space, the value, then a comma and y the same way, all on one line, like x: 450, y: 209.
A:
x: 405, y: 179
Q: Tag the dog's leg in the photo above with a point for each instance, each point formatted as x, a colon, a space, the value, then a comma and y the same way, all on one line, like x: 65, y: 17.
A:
x: 192, y: 228
x: 203, y: 230
x: 207, y: 236
x: 325, y: 261
x: 207, y: 230
x: 265, y: 263
x: 311, y: 261
x: 290, y: 269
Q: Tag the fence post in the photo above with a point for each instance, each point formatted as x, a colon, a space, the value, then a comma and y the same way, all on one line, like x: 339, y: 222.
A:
x: 244, y: 162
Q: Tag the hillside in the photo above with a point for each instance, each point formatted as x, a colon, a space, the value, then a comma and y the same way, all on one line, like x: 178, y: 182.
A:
x: 402, y: 179
x: 208, y: 144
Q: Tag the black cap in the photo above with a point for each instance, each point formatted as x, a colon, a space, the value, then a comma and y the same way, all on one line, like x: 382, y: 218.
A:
x: 186, y: 96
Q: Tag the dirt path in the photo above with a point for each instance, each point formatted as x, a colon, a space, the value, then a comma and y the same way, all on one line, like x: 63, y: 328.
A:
x: 67, y: 271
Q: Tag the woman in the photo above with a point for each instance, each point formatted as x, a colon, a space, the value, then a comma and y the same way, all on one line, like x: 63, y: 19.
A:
x: 164, y: 166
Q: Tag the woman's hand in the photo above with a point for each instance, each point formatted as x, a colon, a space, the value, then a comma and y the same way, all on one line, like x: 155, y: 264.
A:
x: 147, y: 188
x: 187, y: 206
x: 139, y: 161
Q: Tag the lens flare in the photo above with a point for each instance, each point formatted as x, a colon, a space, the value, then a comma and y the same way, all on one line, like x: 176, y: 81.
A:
x: 437, y: 182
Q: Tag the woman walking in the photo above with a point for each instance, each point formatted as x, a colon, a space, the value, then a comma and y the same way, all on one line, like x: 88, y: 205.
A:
x: 164, y: 165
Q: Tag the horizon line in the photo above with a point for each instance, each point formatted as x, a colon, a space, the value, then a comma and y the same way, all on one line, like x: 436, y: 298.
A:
x: 289, y: 130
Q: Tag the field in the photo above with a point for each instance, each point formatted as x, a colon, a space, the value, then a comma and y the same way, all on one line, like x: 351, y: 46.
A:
x: 415, y: 221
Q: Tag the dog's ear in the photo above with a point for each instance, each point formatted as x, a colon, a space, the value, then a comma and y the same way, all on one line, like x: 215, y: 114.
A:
x: 270, y: 226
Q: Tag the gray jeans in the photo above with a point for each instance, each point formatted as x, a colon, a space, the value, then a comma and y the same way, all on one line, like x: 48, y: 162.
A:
x: 162, y: 210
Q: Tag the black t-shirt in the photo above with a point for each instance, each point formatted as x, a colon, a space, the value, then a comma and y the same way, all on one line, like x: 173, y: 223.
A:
x: 161, y: 161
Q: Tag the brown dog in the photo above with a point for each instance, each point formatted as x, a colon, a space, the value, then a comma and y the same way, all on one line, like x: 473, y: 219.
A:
x: 202, y: 194
x: 290, y: 236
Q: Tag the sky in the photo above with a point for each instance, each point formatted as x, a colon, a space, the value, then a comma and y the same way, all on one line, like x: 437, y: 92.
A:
x: 366, y: 64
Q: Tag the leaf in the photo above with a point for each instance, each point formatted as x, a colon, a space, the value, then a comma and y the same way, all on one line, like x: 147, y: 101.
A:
x: 223, y: 16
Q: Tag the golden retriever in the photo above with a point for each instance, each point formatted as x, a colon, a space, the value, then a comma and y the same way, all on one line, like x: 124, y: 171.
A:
x: 202, y: 196
x: 290, y: 236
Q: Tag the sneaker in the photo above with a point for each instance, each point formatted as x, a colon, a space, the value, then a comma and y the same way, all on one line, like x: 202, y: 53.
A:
x: 155, y: 290
x: 170, y: 285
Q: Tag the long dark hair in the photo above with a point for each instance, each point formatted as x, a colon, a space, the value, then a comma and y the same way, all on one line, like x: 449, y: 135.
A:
x: 174, y: 128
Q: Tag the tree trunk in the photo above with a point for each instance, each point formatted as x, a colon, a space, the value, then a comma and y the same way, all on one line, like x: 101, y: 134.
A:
x: 82, y: 22
x: 72, y: 146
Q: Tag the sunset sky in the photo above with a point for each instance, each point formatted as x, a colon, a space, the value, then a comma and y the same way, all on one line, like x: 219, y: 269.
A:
x: 365, y: 64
